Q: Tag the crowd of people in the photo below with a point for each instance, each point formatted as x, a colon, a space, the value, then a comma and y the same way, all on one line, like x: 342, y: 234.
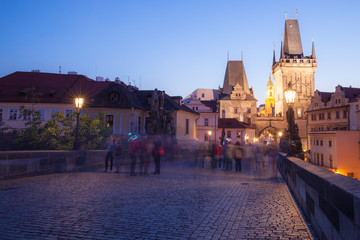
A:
x: 257, y: 158
x: 145, y: 151
x: 141, y: 149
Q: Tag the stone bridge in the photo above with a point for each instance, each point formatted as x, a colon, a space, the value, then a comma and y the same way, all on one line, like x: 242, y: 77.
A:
x: 74, y: 199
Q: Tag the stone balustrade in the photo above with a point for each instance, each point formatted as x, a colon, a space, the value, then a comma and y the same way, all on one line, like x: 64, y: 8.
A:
x: 330, y: 201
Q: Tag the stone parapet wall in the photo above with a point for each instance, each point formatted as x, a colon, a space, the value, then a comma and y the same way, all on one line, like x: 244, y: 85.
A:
x: 330, y: 201
x: 15, y: 164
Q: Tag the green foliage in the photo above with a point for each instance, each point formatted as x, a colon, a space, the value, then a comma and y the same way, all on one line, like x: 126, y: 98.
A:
x: 59, y: 132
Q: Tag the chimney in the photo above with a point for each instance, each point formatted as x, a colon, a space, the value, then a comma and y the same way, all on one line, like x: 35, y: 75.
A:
x: 99, y: 79
x: 117, y: 80
x: 35, y: 70
x: 72, y: 73
x: 107, y: 80
x: 177, y: 99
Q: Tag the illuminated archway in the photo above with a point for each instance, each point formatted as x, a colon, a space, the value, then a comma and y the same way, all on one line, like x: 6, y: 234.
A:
x: 268, y: 134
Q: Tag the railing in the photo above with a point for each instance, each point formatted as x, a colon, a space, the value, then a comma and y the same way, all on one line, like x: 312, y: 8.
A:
x: 330, y: 201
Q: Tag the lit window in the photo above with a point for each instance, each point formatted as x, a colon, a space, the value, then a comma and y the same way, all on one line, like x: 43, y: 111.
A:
x: 299, y: 112
x: 53, y: 112
x: 68, y: 113
x: 238, y: 134
x: 42, y: 114
x: 109, y: 120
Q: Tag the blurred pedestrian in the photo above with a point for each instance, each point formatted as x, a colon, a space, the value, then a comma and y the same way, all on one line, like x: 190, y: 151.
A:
x: 133, y: 150
x: 238, y: 155
x: 228, y: 155
x: 158, y: 152
x: 110, y: 147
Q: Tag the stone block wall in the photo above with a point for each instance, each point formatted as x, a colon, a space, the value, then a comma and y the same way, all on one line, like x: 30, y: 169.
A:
x: 15, y: 164
x: 330, y: 201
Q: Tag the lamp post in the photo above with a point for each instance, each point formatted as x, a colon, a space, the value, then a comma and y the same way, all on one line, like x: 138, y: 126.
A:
x: 79, y: 102
x: 290, y: 99
x: 209, y: 133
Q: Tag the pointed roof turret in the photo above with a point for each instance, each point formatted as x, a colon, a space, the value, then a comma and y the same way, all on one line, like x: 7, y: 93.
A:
x: 274, y: 60
x: 282, y: 50
x: 235, y: 74
x: 313, y: 50
x: 292, y: 39
x: 269, y: 84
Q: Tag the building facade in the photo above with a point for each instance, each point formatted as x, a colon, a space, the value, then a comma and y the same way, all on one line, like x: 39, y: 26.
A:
x: 125, y: 108
x: 333, y: 130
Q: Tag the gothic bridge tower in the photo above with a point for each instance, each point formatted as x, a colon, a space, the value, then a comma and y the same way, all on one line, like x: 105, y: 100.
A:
x: 298, y: 70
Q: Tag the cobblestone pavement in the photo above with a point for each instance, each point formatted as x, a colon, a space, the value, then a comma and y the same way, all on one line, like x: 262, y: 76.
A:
x: 181, y: 203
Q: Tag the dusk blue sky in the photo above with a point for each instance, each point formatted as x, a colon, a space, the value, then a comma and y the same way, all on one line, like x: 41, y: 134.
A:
x: 176, y: 46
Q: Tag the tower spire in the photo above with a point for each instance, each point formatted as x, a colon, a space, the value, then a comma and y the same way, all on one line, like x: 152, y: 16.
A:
x: 297, y: 13
x: 285, y: 14
x: 282, y: 48
x: 274, y: 60
x: 228, y: 55
x: 313, y: 49
x: 242, y: 56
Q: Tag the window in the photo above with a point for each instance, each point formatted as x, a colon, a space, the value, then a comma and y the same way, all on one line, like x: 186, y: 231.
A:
x: 193, y: 108
x: 357, y: 107
x: 330, y: 143
x: 313, y: 117
x: 42, y: 114
x: 299, y: 112
x: 68, y: 113
x: 139, y: 124
x: 109, y: 120
x: 235, y: 110
x: 294, y: 61
x: 187, y: 126
x: 203, y: 95
x: 321, y: 142
x: 238, y: 134
x: 228, y: 134
x: 249, y: 120
x: 114, y: 98
x: 13, y: 114
x: 270, y: 94
x: 329, y: 115
x: 301, y: 61
x: 337, y: 114
x: 26, y: 114
x: 322, y: 159
x: 318, y: 158
x: 331, y: 161
x: 249, y: 110
x: 53, y: 112
x: 206, y: 122
x: 344, y: 114
x: 223, y: 114
x: 317, y: 142
x: 197, y: 108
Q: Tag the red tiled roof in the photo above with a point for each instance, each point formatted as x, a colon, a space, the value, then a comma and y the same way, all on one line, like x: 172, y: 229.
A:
x: 54, y: 88
x: 232, y: 123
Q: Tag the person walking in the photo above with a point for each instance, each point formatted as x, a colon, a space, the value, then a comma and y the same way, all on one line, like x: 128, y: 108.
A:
x: 157, y: 153
x: 117, y: 153
x: 238, y: 155
x: 133, y: 150
x: 228, y: 155
x: 110, y: 147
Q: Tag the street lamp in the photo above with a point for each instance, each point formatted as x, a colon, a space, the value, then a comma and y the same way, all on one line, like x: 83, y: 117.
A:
x: 79, y: 102
x: 290, y: 99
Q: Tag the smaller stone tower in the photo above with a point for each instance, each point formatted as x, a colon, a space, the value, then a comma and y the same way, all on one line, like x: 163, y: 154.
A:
x: 270, y: 99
